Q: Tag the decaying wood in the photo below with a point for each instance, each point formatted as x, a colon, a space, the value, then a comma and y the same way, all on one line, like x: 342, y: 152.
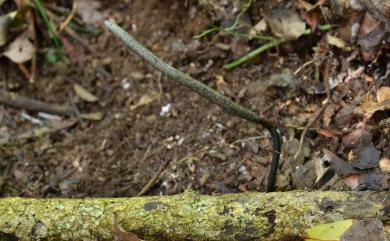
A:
x: 188, y: 216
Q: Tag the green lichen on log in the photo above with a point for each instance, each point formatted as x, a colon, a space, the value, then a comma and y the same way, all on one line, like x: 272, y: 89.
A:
x: 188, y: 216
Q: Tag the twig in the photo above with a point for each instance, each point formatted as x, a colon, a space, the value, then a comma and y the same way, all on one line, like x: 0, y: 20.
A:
x: 253, y: 138
x: 311, y: 122
x: 153, y: 180
x: 25, y: 71
x: 33, y: 105
x: 304, y: 66
x: 69, y: 18
x: 75, y: 110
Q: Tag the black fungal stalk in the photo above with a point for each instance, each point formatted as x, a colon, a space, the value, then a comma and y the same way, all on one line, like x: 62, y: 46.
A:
x: 212, y: 95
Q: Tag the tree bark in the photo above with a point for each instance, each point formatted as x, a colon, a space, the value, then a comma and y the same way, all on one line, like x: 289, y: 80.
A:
x: 188, y: 216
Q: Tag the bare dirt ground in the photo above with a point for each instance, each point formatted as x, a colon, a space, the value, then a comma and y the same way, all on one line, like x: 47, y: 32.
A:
x: 158, y: 137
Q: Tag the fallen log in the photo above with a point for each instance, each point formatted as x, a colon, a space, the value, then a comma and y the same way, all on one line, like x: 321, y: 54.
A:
x: 188, y: 216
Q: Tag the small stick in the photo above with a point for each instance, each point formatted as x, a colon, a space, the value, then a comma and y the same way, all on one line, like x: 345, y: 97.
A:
x: 69, y: 18
x: 33, y: 105
x: 153, y: 180
x: 307, y: 127
x: 207, y: 92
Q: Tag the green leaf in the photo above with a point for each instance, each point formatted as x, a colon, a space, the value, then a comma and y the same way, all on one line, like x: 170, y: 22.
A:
x: 328, y: 231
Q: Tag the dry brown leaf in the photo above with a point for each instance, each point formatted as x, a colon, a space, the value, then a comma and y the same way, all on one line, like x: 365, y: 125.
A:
x: 329, y: 111
x: 84, y: 94
x: 20, y: 50
x: 353, y: 137
x: 88, y: 11
x: 259, y: 27
x: 367, y: 156
x: 306, y: 5
x: 352, y: 181
x: 341, y: 167
x: 286, y: 24
x: 312, y: 18
x: 328, y: 133
x: 383, y: 94
x: 121, y: 235
x: 371, y: 37
x: 222, y: 86
x: 384, y: 164
x: 382, y: 102
x: 374, y: 181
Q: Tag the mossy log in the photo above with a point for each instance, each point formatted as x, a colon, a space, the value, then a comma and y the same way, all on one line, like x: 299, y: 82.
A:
x: 187, y: 216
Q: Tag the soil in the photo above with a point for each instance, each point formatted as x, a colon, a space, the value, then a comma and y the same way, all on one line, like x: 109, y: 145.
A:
x: 195, y: 144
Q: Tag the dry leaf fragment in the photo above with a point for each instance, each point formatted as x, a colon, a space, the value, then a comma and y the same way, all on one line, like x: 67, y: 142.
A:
x: 84, y: 94
x: 259, y: 27
x: 20, y: 50
x: 121, y: 235
x: 329, y: 133
x: 341, y: 167
x: 337, y: 42
x: 88, y: 11
x: 367, y: 156
x: 144, y: 100
x: 374, y: 181
x: 382, y: 102
x: 286, y: 24
x: 92, y: 116
x: 4, y: 24
x: 383, y: 94
x: 222, y: 86
x: 352, y: 181
x: 372, y: 43
x: 312, y: 18
x: 384, y: 164
x: 328, y: 113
